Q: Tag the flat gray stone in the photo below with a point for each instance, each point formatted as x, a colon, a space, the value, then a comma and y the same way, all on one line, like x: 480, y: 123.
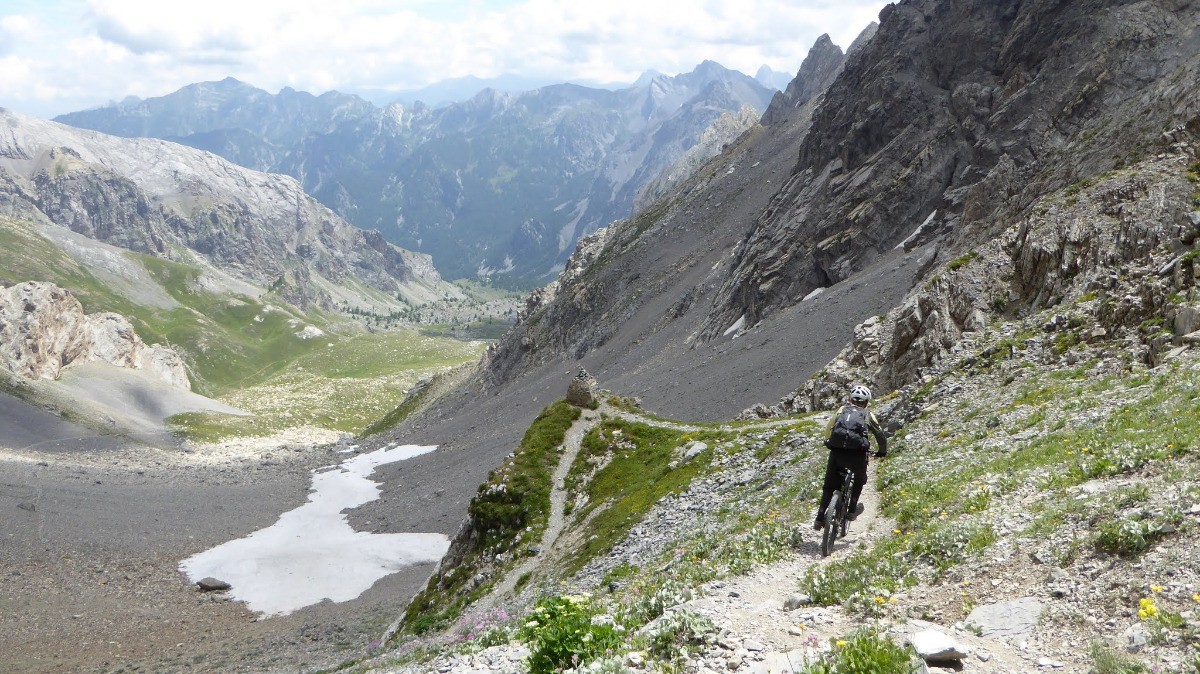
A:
x: 935, y: 646
x: 1013, y: 620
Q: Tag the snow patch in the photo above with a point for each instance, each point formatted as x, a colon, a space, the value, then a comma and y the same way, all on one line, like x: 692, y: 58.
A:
x: 311, y: 553
x: 815, y: 293
x: 916, y: 232
x: 737, y: 325
x: 310, y: 332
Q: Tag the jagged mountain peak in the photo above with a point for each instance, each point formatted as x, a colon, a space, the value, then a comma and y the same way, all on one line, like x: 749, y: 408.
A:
x: 966, y: 105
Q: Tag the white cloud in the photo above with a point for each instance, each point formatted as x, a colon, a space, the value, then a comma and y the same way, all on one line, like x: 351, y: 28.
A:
x: 152, y: 48
x: 15, y: 73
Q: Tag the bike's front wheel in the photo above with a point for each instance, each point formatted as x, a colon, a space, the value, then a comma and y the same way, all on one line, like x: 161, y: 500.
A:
x: 829, y: 533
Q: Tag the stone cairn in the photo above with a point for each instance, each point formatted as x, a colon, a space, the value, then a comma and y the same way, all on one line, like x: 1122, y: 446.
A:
x: 582, y: 390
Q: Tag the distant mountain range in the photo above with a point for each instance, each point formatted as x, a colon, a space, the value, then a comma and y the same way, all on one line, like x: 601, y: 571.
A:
x: 500, y: 185
x: 459, y: 89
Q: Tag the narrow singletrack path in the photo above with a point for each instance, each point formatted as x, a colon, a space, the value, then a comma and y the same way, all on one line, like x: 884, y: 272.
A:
x: 558, y: 502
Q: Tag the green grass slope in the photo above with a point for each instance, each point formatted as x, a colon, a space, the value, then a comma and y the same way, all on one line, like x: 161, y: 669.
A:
x: 249, y: 349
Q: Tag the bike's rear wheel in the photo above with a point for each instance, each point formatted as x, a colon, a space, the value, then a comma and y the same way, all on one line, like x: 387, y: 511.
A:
x: 830, y: 532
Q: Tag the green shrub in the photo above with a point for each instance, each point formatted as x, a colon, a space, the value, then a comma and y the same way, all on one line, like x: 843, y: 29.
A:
x: 1134, y: 533
x: 961, y: 261
x: 947, y: 546
x: 866, y: 650
x: 567, y: 632
x: 680, y: 634
x: 518, y: 495
x: 653, y: 602
x: 860, y: 581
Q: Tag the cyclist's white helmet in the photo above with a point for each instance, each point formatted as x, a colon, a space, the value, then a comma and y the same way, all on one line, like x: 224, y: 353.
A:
x: 860, y: 394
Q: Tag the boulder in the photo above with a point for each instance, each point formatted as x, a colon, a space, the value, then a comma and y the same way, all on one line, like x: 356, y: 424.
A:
x: 43, y: 330
x: 935, y: 646
x: 210, y: 584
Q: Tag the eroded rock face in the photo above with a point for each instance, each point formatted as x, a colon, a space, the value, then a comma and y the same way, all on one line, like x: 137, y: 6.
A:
x: 1108, y: 262
x: 43, y: 329
x: 164, y: 200
x: 953, y: 120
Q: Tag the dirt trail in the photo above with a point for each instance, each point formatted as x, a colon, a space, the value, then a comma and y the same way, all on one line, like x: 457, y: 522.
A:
x: 751, y: 607
x: 558, y: 502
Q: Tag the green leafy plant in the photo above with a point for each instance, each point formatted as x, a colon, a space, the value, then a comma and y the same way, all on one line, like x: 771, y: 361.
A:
x: 1135, y: 531
x: 567, y: 632
x: 866, y: 650
x: 856, y: 581
x: 961, y: 261
x: 1105, y: 660
x: 679, y: 634
x: 650, y: 603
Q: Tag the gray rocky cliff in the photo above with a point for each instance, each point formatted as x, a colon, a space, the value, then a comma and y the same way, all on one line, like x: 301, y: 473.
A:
x: 169, y: 200
x: 822, y: 64
x: 1109, y: 263
x: 723, y: 132
x: 43, y: 330
x: 953, y: 118
x: 943, y: 131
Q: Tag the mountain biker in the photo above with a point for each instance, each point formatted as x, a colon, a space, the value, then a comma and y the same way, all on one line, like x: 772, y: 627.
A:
x: 848, y: 446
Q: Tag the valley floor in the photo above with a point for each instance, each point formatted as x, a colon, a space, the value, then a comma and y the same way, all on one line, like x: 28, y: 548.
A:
x: 91, y: 544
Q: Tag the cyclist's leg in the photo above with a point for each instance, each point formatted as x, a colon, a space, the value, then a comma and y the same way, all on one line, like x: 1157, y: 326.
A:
x: 856, y: 462
x: 833, y: 482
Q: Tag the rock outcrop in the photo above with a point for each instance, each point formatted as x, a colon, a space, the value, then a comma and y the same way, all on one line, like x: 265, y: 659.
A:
x: 820, y: 67
x: 43, y: 330
x: 1110, y: 262
x: 943, y: 131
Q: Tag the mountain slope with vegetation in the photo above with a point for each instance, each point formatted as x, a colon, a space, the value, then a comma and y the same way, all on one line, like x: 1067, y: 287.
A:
x: 1040, y: 505
x: 1032, y: 342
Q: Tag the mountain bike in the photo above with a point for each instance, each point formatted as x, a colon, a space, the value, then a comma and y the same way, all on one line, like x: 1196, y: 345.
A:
x: 835, y: 515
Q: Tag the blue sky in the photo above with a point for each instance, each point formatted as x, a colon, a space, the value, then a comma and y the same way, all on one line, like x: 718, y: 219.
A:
x: 57, y: 56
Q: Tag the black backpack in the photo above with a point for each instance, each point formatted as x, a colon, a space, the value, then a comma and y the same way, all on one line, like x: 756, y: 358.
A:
x: 850, y: 430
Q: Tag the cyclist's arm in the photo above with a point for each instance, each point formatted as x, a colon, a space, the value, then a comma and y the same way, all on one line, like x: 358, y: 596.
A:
x: 880, y: 436
x: 829, y: 425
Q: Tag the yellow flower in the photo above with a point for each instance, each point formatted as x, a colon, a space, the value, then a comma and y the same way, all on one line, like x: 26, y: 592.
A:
x: 880, y: 600
x: 896, y: 531
x: 1147, y: 609
x: 1156, y: 588
x: 840, y: 643
x: 1196, y: 596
